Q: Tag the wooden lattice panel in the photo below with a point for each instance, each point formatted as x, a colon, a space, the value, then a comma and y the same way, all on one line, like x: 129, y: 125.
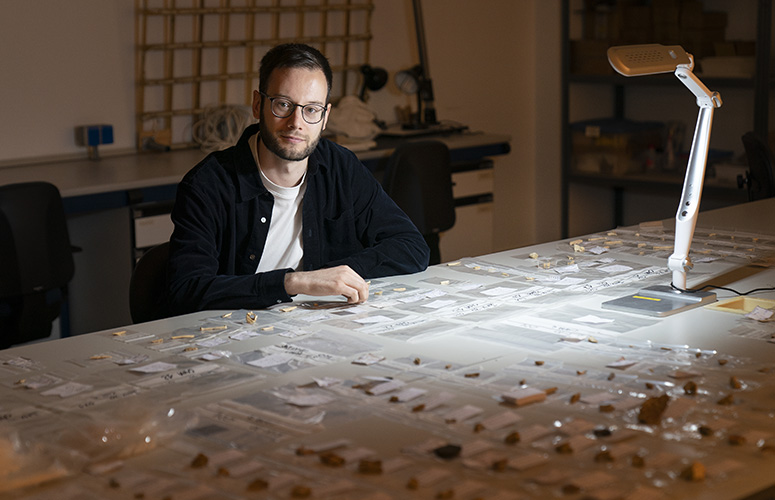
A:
x: 195, y: 55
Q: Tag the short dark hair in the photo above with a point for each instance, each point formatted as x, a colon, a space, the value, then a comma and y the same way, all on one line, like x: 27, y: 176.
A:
x: 293, y: 55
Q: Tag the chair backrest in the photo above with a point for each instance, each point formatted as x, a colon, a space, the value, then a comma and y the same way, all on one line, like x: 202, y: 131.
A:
x: 36, y: 260
x: 418, y: 178
x: 760, y: 179
x: 147, y: 287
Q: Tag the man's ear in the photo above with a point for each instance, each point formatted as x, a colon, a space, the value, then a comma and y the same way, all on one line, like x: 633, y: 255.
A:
x: 325, y: 118
x: 256, y: 105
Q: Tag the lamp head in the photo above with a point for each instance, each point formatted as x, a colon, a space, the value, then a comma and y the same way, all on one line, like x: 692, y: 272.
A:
x: 648, y: 59
x: 373, y: 79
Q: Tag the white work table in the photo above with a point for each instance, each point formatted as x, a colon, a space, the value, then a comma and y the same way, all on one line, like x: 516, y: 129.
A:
x: 264, y: 409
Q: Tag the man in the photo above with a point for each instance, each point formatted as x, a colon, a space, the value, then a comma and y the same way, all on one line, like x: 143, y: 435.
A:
x: 284, y: 212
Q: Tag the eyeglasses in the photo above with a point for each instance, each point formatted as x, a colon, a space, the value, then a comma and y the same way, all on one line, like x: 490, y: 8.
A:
x: 283, y: 108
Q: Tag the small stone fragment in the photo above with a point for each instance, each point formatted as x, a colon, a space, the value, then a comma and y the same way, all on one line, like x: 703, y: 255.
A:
x: 604, y: 456
x: 512, y: 438
x: 331, y: 459
x: 570, y: 489
x: 199, y: 461
x: 695, y: 472
x: 705, y: 431
x: 448, y: 451
x: 366, y: 466
x: 500, y: 465
x: 258, y: 485
x: 651, y: 410
x: 301, y: 492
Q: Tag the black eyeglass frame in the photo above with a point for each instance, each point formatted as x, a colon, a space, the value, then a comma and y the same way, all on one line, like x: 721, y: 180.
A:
x: 323, y: 109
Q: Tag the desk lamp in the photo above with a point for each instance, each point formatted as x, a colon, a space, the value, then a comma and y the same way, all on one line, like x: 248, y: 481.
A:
x: 637, y: 60
x: 373, y: 79
x: 418, y: 79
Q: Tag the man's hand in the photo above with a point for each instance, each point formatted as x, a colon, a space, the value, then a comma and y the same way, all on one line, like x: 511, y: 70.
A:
x: 340, y: 280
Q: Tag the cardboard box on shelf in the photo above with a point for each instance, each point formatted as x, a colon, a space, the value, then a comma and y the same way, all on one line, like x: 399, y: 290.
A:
x: 665, y: 12
x: 700, y: 42
x: 745, y: 47
x: 600, y: 20
x: 667, y: 33
x: 691, y: 14
x: 714, y: 19
x: 636, y: 17
x: 611, y: 146
x: 627, y: 22
x: 727, y: 67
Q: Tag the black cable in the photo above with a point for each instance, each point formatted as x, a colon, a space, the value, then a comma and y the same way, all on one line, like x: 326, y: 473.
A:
x: 695, y: 290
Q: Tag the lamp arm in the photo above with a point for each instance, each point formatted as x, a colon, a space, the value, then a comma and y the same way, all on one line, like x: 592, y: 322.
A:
x: 705, y: 97
x: 686, y: 216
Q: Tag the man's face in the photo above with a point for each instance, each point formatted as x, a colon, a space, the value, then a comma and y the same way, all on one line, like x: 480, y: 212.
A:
x: 291, y: 138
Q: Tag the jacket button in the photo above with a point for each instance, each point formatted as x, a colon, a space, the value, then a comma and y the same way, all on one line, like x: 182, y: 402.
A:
x: 252, y: 256
x: 263, y: 220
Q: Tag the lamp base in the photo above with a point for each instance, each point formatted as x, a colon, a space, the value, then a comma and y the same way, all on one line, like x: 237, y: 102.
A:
x: 660, y: 301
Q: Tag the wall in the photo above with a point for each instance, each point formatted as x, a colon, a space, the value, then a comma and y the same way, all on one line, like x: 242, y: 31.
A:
x: 477, y: 54
x: 482, y: 58
x: 548, y: 122
x: 64, y: 64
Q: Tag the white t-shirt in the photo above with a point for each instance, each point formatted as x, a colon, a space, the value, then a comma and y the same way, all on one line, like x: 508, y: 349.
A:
x: 283, y: 247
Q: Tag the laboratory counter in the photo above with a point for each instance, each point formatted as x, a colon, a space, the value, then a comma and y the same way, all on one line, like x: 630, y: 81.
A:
x: 120, y: 180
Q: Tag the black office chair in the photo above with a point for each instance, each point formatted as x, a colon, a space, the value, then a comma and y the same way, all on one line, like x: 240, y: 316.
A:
x: 418, y: 178
x: 759, y: 178
x: 36, y: 261
x: 147, y: 287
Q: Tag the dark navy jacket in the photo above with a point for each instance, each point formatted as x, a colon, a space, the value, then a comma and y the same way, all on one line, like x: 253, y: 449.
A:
x: 222, y: 214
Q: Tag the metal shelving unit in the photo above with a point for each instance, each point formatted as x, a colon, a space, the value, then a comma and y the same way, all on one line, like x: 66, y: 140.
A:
x: 762, y: 85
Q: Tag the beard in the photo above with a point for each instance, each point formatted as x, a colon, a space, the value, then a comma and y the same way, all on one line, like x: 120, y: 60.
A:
x: 286, y: 153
